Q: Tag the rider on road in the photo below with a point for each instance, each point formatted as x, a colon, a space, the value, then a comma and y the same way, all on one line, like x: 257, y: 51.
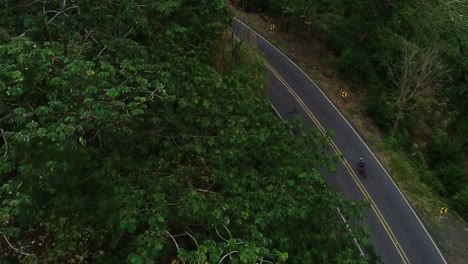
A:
x: 361, y: 163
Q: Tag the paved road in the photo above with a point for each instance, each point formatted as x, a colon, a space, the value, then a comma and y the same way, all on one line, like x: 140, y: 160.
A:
x: 397, y: 233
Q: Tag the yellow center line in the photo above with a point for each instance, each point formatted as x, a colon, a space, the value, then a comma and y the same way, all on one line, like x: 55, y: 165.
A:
x: 345, y: 163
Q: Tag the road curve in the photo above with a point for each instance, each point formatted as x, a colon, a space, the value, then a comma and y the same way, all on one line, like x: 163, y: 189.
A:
x: 397, y: 233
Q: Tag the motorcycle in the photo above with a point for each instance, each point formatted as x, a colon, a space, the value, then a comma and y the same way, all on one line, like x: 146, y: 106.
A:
x: 361, y: 169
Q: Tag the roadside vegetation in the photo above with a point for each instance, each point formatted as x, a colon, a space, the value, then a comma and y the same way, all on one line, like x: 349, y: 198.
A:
x: 406, y: 68
x: 139, y: 132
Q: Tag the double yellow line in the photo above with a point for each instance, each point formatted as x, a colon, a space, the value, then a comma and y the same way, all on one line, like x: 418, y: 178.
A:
x: 345, y: 163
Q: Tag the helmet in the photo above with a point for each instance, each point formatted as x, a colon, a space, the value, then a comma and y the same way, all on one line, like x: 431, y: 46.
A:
x: 360, y: 159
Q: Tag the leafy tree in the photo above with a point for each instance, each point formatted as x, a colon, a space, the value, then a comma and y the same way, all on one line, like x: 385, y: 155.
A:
x: 122, y: 142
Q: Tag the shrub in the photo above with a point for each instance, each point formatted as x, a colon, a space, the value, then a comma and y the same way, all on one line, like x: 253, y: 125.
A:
x: 381, y: 110
x: 462, y: 131
x: 451, y: 175
x: 433, y: 182
x: 445, y: 150
x: 459, y: 202
x: 391, y: 143
x: 346, y: 64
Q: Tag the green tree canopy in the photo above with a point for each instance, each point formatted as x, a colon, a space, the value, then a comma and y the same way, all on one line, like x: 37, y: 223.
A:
x: 124, y: 141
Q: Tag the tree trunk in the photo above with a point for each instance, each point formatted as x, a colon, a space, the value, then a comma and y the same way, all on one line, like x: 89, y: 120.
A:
x: 397, y: 120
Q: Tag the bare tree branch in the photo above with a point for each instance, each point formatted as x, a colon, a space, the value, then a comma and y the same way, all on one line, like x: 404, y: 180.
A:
x: 173, y: 239
x: 52, y: 19
x: 19, y: 36
x: 203, y: 161
x: 201, y: 190
x: 32, y: 3
x: 63, y: 3
x: 15, y: 249
x: 153, y: 93
x: 6, y: 142
x: 217, y: 232
x: 63, y: 10
x: 73, y: 7
x: 126, y: 34
x: 227, y: 231
x: 416, y: 73
x: 227, y: 255
x: 192, y: 238
x: 29, y: 114
x: 103, y: 49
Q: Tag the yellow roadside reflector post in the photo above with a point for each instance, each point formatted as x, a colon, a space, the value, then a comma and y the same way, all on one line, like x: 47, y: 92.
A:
x: 344, y: 93
x: 443, y: 211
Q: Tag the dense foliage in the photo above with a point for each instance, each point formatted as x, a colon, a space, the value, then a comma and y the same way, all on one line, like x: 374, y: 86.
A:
x: 410, y: 58
x: 131, y: 134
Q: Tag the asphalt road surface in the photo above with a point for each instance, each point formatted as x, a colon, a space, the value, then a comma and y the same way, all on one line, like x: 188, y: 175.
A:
x: 397, y: 233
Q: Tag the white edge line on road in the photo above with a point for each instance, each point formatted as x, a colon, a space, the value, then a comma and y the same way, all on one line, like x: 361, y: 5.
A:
x: 349, y: 229
x: 372, y: 153
x: 338, y: 209
x: 276, y: 111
